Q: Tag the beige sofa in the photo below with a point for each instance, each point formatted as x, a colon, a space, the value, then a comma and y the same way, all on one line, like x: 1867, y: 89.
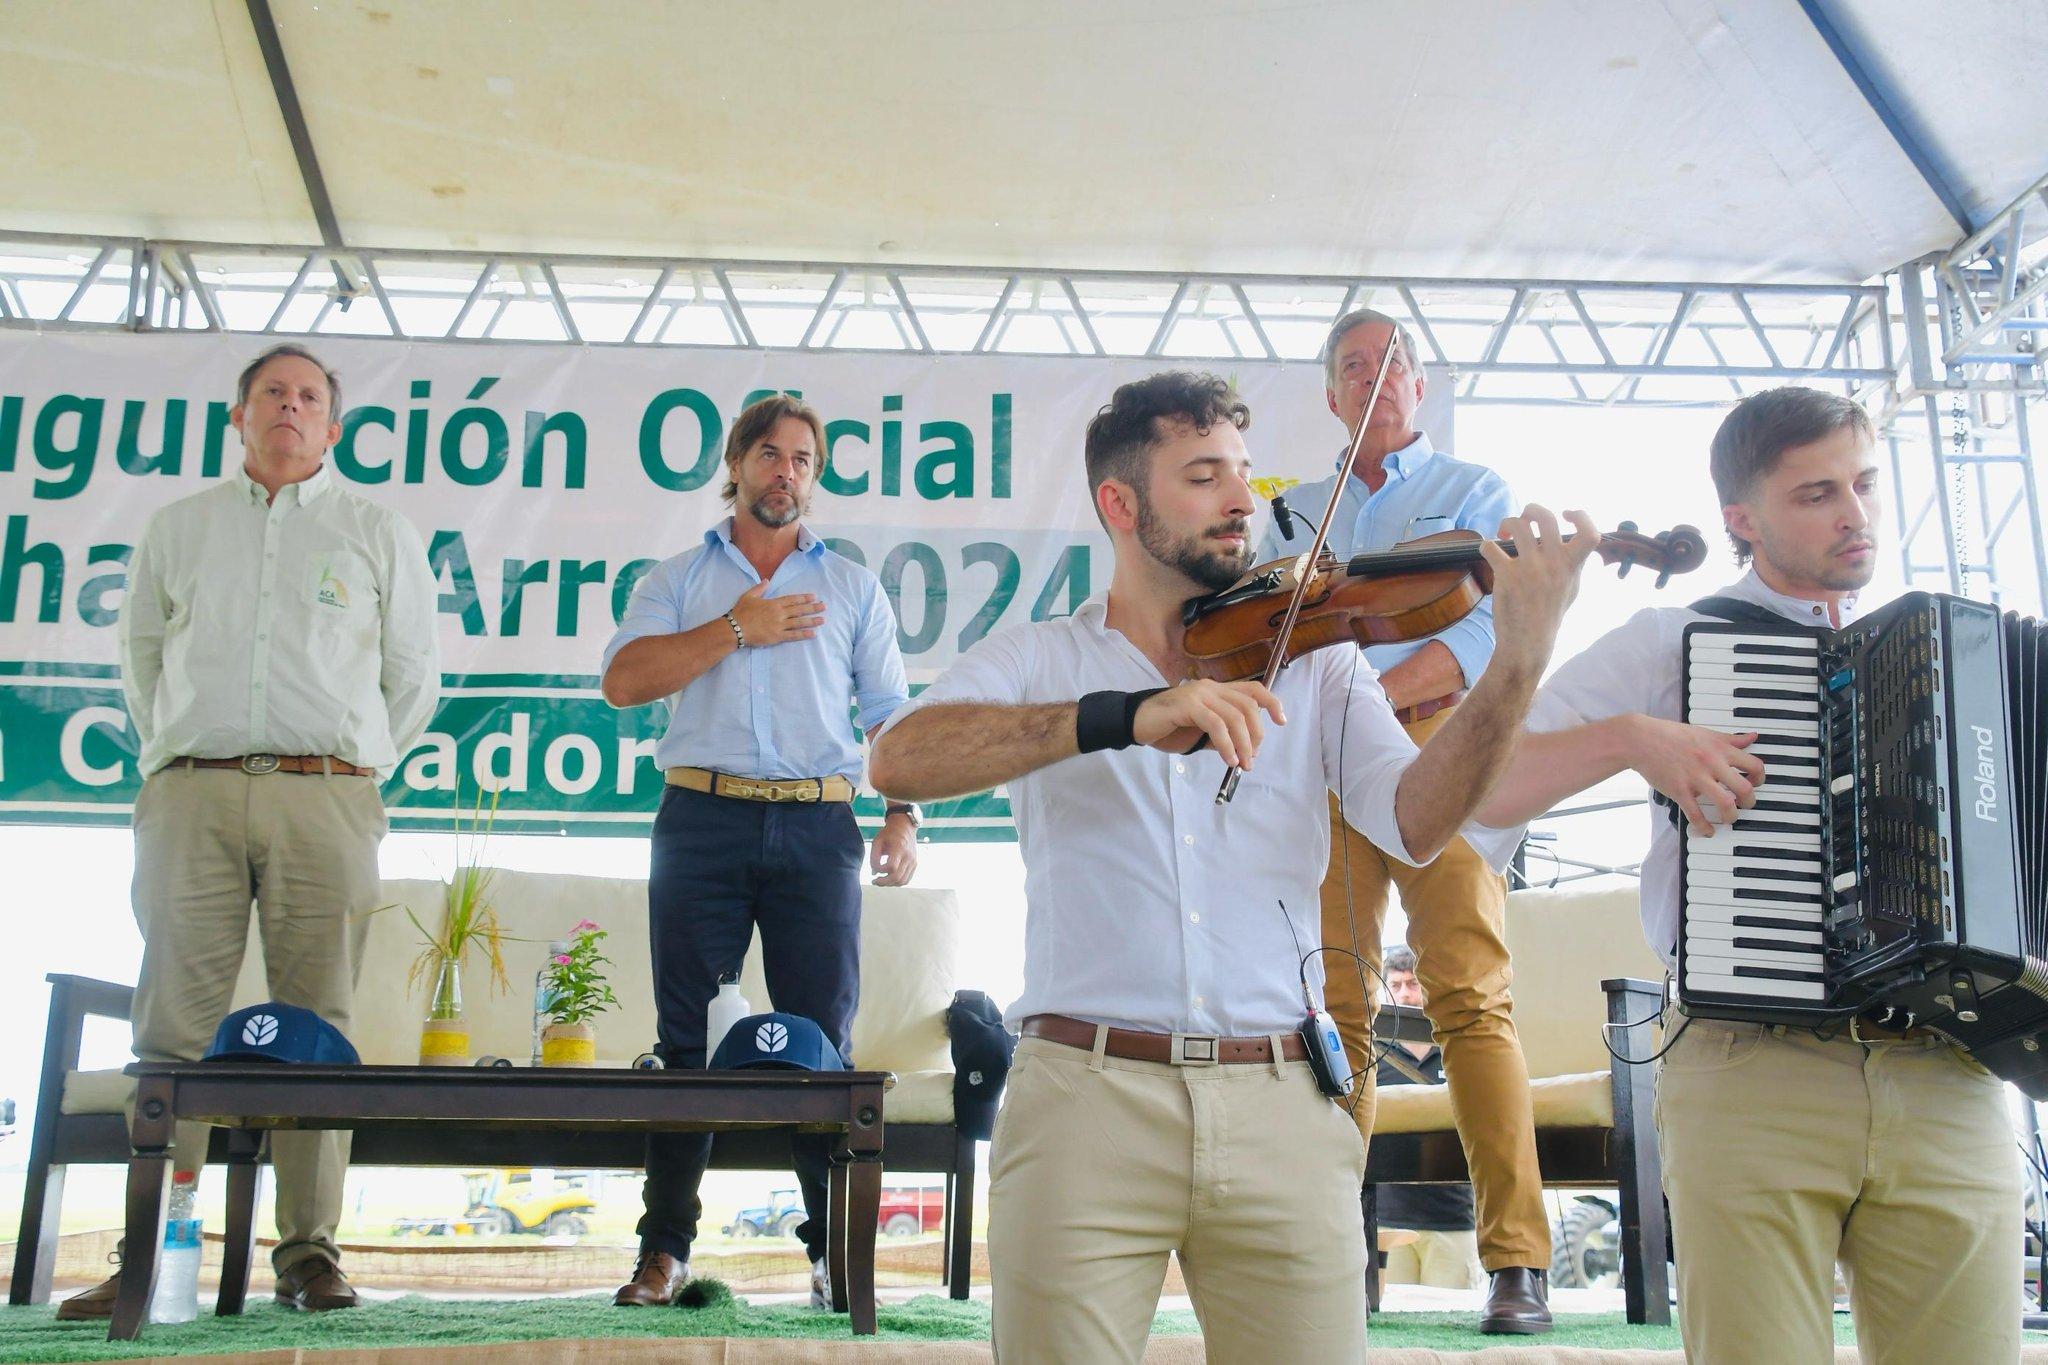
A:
x: 909, y: 951
x: 1580, y: 964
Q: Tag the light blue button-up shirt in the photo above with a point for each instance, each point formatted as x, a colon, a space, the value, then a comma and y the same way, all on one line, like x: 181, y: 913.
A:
x: 1425, y: 492
x: 772, y: 711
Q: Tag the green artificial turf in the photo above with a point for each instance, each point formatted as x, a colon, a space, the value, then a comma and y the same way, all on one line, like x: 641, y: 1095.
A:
x: 33, y: 1335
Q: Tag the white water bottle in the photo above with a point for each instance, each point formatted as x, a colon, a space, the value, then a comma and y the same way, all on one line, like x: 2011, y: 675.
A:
x: 542, y: 996
x: 177, y: 1277
x: 728, y: 1007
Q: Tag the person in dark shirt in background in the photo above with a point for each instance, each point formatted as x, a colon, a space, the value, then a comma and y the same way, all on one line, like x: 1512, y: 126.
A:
x: 1426, y: 1230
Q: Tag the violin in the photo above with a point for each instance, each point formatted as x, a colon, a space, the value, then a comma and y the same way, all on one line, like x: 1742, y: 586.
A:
x: 1413, y: 590
x: 1287, y: 608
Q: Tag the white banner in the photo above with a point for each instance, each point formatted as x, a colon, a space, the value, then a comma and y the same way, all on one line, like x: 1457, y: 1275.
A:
x: 546, y: 479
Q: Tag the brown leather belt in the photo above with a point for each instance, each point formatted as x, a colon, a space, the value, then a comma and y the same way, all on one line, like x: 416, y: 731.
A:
x: 1423, y: 710
x: 771, y: 789
x: 259, y: 764
x: 1181, y: 1049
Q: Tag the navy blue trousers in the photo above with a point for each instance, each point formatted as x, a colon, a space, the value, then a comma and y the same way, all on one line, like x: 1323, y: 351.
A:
x: 721, y: 868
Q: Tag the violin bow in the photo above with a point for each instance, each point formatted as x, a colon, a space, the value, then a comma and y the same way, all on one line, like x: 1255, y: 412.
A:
x: 1278, y: 658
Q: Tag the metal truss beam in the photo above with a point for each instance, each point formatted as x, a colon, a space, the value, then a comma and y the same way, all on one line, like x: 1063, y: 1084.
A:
x: 293, y: 115
x: 1963, y: 466
x: 1592, y: 342
x: 1893, y: 110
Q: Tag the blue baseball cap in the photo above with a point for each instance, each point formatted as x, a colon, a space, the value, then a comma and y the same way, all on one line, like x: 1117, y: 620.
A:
x: 777, y: 1040
x: 271, y: 1032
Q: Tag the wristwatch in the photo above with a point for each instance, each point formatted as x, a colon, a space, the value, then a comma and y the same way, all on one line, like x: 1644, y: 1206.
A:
x: 904, y: 808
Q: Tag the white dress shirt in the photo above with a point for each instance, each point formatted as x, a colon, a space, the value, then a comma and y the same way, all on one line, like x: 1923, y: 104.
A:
x: 1149, y: 906
x: 305, y: 625
x: 1637, y: 668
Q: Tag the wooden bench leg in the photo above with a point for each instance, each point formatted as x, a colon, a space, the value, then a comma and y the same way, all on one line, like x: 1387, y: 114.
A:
x: 1369, y: 1205
x: 1632, y: 1011
x: 864, y: 1206
x: 960, y: 1213
x: 149, y: 1191
x: 239, y: 1236
x: 949, y: 1194
x: 35, y: 1253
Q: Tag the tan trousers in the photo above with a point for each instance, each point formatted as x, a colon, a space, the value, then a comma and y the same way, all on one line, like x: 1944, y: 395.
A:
x: 1102, y: 1166
x: 1441, y: 1260
x: 1784, y: 1154
x: 304, y: 847
x: 1457, y: 910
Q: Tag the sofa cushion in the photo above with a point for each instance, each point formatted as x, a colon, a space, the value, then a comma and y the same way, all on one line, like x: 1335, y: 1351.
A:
x: 919, y: 1097
x: 909, y: 958
x: 1581, y: 1101
x: 1565, y: 942
x: 96, y: 1092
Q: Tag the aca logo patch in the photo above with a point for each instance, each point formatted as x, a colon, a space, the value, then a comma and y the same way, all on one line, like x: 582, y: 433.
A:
x: 332, y: 591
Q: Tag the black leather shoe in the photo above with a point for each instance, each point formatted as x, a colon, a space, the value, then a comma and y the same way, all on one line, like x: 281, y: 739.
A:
x: 1517, y: 1301
x: 314, y: 1285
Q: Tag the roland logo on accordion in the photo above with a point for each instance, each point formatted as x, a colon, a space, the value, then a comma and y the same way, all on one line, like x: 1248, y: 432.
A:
x: 1987, y: 773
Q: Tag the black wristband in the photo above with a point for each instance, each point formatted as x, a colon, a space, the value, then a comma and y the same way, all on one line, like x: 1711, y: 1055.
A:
x: 1103, y: 720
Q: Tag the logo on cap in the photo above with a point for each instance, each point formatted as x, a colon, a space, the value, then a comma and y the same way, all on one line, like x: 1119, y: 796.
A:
x: 771, y: 1037
x: 260, y: 1030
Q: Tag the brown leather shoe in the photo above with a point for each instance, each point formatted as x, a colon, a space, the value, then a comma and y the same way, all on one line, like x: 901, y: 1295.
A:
x: 656, y: 1278
x: 1517, y: 1301
x: 314, y: 1285
x: 95, y: 1304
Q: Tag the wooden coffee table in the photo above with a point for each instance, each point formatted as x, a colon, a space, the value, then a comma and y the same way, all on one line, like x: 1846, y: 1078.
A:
x: 490, y: 1105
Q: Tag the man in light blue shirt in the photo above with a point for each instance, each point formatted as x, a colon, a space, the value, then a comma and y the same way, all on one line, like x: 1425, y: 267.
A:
x: 756, y: 640
x: 1400, y: 488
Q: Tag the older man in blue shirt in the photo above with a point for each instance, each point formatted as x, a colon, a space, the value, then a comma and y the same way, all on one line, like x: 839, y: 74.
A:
x: 1400, y: 488
x: 756, y: 640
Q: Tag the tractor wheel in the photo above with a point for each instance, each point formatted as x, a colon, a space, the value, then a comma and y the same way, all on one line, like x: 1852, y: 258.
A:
x: 1588, y: 1254
x: 901, y: 1225
x: 565, y: 1223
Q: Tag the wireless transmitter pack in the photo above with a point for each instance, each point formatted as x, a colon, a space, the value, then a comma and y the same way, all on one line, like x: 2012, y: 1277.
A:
x: 1325, y: 1051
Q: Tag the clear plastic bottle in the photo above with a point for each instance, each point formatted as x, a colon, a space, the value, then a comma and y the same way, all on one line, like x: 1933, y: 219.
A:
x: 727, y: 1008
x: 541, y: 994
x: 177, y: 1277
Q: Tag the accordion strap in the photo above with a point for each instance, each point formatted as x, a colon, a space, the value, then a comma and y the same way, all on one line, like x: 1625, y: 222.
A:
x: 1739, y: 611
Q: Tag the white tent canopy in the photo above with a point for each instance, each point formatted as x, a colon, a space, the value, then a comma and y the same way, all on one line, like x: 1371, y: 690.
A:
x: 1605, y: 139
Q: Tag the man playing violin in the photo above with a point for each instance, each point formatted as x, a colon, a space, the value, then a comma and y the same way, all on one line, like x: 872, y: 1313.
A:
x: 1160, y: 1100
x: 1399, y: 488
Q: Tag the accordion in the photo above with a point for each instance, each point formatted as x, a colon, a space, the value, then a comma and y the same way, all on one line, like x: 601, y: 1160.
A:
x: 1895, y: 864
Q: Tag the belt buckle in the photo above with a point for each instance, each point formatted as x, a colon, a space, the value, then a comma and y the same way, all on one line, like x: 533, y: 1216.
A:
x: 259, y: 764
x: 1195, y: 1049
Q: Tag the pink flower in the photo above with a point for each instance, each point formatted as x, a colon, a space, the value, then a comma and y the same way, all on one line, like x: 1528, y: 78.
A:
x: 583, y: 925
x: 562, y: 959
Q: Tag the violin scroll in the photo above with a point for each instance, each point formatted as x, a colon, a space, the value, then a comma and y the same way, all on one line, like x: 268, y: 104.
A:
x: 1678, y: 550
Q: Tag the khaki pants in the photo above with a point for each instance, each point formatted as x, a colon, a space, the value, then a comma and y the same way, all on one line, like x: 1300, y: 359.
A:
x: 305, y: 848
x: 1441, y: 1260
x: 1784, y: 1154
x: 1457, y: 910
x: 1101, y: 1166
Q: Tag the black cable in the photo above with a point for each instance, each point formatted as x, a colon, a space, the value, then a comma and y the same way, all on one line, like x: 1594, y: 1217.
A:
x: 1351, y: 910
x: 1658, y: 1055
